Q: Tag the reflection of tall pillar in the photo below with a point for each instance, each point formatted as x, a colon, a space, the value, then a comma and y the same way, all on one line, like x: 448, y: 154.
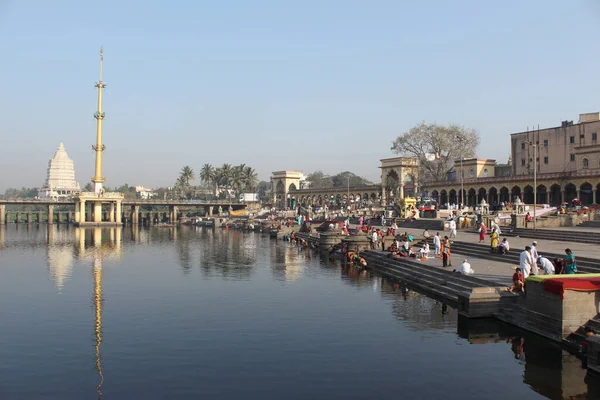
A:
x: 98, y: 317
x: 173, y: 233
x: 81, y: 241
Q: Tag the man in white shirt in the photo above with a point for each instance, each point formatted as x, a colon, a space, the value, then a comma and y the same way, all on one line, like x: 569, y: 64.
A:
x: 534, y: 256
x: 525, y: 262
x: 465, y: 268
x: 504, y: 246
x: 452, y: 228
x: 374, y: 239
x: 546, y: 265
x: 437, y: 243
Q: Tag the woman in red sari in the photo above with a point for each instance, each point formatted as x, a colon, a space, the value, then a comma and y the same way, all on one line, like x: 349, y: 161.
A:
x: 482, y: 233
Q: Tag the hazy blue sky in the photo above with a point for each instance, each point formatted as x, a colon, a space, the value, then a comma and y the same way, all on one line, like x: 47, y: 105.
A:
x: 279, y: 84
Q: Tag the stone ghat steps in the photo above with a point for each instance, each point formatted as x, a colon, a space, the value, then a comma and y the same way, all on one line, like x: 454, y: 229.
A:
x: 550, y: 234
x: 590, y: 224
x: 445, y: 284
x: 430, y: 224
x: 584, y: 264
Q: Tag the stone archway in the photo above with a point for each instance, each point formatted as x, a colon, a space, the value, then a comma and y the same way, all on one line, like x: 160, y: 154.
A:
x: 409, y: 186
x: 515, y: 193
x: 471, y: 197
x: 443, y: 197
x: 452, y: 196
x: 542, y: 194
x: 280, y: 194
x: 570, y: 192
x: 493, y: 196
x: 504, y: 194
x: 435, y: 195
x: 482, y: 195
x: 586, y: 194
x: 391, y: 185
x: 555, y: 195
x: 528, y: 194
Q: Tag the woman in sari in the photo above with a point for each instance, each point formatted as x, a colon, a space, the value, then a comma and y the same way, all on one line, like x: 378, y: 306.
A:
x: 494, y: 241
x: 482, y: 233
x: 570, y: 265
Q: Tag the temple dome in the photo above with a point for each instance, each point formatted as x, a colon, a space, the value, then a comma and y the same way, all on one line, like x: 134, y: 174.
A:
x: 61, y: 175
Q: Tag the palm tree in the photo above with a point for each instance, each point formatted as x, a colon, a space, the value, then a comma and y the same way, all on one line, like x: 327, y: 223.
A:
x: 187, y: 173
x: 180, y: 186
x: 207, y: 175
x: 237, y: 179
x: 250, y: 178
x: 223, y: 177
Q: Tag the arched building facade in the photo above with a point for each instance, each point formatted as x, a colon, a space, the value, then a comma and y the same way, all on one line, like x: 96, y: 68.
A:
x: 552, y: 189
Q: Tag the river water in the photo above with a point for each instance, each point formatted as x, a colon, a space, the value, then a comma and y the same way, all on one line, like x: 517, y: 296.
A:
x: 167, y: 313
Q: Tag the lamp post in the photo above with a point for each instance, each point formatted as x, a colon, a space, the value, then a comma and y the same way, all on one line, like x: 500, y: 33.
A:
x: 348, y: 195
x: 462, y: 189
x: 534, y: 145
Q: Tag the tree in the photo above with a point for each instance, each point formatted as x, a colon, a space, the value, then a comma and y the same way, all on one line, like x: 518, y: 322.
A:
x: 88, y: 187
x: 341, y: 180
x: 318, y: 180
x: 436, y: 147
x: 250, y: 179
x: 207, y: 176
x: 187, y: 174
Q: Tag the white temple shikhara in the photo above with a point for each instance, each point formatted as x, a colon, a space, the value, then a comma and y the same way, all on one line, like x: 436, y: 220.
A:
x: 88, y: 205
x: 60, y: 182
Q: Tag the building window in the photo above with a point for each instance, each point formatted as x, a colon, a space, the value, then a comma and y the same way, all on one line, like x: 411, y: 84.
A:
x: 523, y: 146
x: 471, y: 173
x: 571, y: 139
x: 585, y: 163
x: 485, y: 173
x: 546, y: 160
x: 572, y: 157
x: 594, y: 136
x: 522, y: 162
x: 545, y: 142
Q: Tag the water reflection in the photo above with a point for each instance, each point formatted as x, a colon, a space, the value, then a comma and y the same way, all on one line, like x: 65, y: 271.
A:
x: 539, y: 364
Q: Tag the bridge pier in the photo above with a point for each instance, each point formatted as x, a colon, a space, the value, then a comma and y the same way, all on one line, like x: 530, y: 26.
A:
x: 111, y: 212
x: 118, y: 212
x: 50, y: 214
x: 39, y: 217
x: 29, y: 219
x: 135, y: 216
x: 2, y: 214
x: 97, y: 212
x: 69, y: 217
x: 149, y: 220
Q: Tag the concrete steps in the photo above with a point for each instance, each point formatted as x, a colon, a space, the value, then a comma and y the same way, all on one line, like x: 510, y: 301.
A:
x: 448, y: 285
x: 559, y: 235
x: 430, y: 224
x: 590, y: 224
x: 584, y: 264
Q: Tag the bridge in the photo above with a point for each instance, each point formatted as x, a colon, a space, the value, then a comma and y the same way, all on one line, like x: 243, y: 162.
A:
x: 368, y: 195
x: 134, y: 211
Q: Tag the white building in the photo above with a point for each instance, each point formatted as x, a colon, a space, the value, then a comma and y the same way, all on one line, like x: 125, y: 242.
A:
x: 60, y: 182
x: 145, y: 193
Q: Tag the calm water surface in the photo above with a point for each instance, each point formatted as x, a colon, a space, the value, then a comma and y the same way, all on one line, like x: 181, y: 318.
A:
x: 189, y: 313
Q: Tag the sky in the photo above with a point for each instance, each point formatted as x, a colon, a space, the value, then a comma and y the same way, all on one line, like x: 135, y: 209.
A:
x: 313, y: 85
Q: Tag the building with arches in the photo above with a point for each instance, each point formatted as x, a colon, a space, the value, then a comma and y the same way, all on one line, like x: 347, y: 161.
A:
x: 284, y: 182
x: 399, y: 177
x: 567, y: 167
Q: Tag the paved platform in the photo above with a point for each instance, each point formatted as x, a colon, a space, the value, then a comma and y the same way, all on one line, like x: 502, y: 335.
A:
x: 497, y: 271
